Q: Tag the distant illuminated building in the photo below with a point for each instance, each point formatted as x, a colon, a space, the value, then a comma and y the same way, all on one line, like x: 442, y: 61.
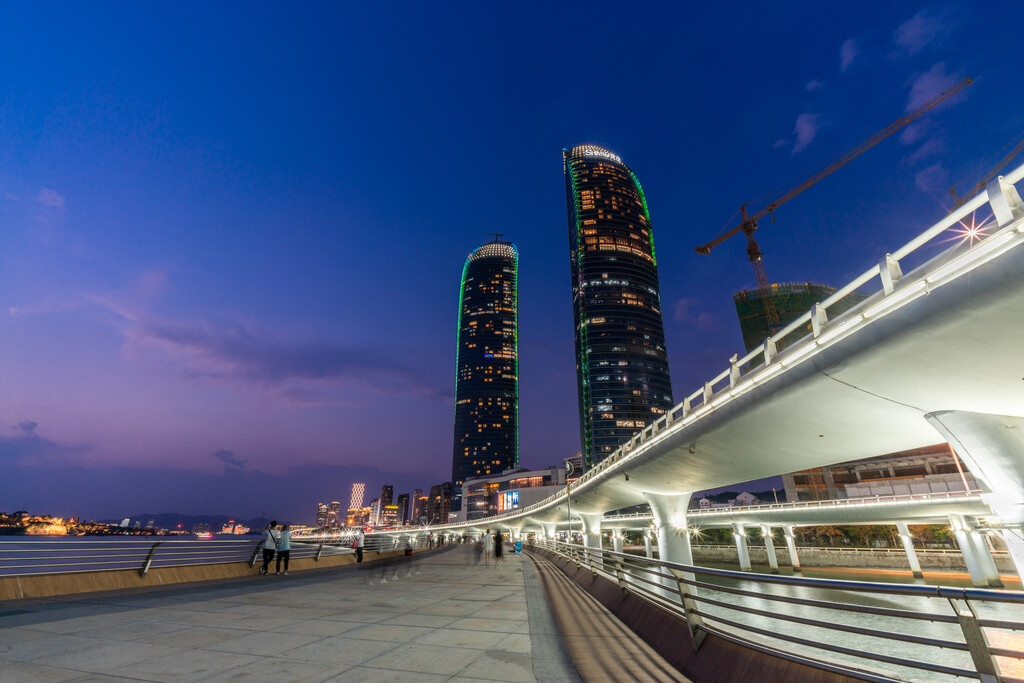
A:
x: 387, y: 495
x: 439, y: 503
x: 321, y: 514
x: 403, y: 508
x: 621, y: 363
x: 419, y: 506
x: 487, y: 366
x: 389, y: 515
x: 356, y: 502
x: 333, y: 514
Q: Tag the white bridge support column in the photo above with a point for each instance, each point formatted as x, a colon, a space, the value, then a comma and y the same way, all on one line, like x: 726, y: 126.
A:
x: 769, y: 545
x: 740, y: 534
x: 670, y: 525
x: 977, y: 557
x: 648, y: 549
x: 794, y: 559
x: 617, y: 540
x: 908, y: 546
x: 992, y: 447
x: 592, y: 533
x: 549, y: 530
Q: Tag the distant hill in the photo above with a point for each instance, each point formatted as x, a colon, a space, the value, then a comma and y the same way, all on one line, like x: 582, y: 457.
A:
x: 172, y: 520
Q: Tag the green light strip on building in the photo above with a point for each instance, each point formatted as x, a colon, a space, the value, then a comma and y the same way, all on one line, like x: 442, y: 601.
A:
x: 587, y: 417
x: 647, y: 215
x: 458, y: 338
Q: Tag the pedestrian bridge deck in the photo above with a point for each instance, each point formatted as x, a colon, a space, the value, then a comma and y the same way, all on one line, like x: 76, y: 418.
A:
x: 447, y: 620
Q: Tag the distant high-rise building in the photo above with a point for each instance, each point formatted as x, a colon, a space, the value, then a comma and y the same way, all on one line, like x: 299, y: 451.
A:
x: 321, y: 514
x: 621, y: 362
x: 403, y: 508
x: 387, y: 495
x: 334, y: 514
x: 419, y: 506
x: 356, y: 501
x: 439, y: 503
x: 487, y: 365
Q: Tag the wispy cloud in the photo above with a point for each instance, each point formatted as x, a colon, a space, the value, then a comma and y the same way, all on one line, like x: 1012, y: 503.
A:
x: 51, y: 198
x: 806, y: 128
x: 683, y: 311
x: 932, y: 180
x: 931, y: 83
x: 229, y: 458
x: 933, y: 147
x: 848, y: 53
x: 814, y: 84
x: 927, y: 27
x: 28, y: 426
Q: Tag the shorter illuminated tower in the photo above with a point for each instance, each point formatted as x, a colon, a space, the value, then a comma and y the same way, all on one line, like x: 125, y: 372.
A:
x: 487, y: 366
x: 356, y: 501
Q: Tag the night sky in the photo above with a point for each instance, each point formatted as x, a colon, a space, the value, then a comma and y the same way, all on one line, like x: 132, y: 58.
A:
x: 231, y: 234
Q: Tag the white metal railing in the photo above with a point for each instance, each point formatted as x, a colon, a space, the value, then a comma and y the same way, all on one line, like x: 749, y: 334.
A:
x: 27, y: 556
x: 873, y: 631
x: 896, y: 289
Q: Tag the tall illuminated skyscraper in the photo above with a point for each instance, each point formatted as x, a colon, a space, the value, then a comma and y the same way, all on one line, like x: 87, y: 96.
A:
x: 621, y: 362
x: 487, y: 366
x: 356, y: 501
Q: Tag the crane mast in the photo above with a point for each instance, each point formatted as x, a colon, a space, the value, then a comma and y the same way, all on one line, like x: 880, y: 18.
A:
x: 749, y: 222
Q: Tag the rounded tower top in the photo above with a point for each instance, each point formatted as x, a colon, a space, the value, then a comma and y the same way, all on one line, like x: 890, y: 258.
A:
x: 495, y: 249
x: 583, y: 151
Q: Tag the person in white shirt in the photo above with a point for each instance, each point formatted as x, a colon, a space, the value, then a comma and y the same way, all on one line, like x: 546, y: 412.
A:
x: 360, y: 539
x: 284, y: 548
x: 269, y: 546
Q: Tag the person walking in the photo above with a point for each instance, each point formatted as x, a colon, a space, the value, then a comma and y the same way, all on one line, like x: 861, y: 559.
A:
x: 284, y: 549
x: 498, y: 543
x: 269, y: 546
x: 359, y: 541
x: 488, y: 547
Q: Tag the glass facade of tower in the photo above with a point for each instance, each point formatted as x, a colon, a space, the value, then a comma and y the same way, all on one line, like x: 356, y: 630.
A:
x: 487, y: 366
x: 621, y: 362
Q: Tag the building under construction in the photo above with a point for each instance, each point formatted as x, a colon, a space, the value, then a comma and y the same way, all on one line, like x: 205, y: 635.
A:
x: 792, y: 299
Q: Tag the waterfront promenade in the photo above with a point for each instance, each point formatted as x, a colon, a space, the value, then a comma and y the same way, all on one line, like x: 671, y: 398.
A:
x: 445, y: 620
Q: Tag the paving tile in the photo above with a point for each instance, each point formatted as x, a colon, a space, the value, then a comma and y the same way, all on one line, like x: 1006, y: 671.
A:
x: 517, y: 642
x: 26, y: 672
x: 480, y: 640
x: 338, y: 650
x: 105, y: 658
x: 319, y: 627
x: 363, y: 674
x: 501, y: 666
x: 35, y: 649
x: 424, y: 659
x: 146, y: 631
x: 420, y: 620
x: 478, y: 624
x: 191, y: 666
x: 278, y: 669
x: 263, y: 643
x: 195, y: 636
x: 388, y: 633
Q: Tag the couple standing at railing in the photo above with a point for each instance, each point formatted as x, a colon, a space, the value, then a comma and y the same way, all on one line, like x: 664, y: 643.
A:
x: 279, y: 542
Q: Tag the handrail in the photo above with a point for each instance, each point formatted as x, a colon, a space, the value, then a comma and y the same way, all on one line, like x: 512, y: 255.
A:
x: 817, y: 632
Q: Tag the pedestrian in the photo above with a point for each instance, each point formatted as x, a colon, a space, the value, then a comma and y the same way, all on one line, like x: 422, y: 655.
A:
x: 430, y: 540
x: 498, y: 543
x: 284, y: 549
x: 269, y: 546
x: 488, y: 548
x: 478, y: 550
x: 358, y: 541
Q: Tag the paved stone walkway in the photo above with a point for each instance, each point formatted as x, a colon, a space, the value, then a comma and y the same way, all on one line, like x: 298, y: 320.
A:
x: 450, y: 621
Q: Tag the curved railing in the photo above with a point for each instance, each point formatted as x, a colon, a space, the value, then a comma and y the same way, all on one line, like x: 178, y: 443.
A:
x: 872, y: 631
x: 27, y: 556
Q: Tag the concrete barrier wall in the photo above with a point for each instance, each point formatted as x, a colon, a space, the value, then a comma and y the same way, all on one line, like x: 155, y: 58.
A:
x: 825, y: 557
x: 50, y: 585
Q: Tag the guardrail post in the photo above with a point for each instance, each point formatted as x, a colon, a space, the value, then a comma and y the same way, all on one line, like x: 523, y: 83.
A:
x: 620, y: 574
x: 890, y: 272
x: 144, y: 569
x: 977, y: 641
x: 694, y: 622
x: 319, y: 552
x: 590, y: 562
x: 255, y: 553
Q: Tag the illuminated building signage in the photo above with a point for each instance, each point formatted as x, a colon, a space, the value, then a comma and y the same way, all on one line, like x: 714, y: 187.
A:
x: 508, y: 501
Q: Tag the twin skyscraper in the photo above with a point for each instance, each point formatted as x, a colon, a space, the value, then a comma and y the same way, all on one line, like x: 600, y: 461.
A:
x: 621, y: 364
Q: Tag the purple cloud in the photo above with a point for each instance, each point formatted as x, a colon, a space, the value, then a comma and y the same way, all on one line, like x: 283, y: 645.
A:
x: 814, y: 84
x: 933, y: 147
x: 848, y: 52
x: 924, y: 28
x: 229, y: 458
x: 932, y: 180
x: 28, y: 426
x: 807, y: 126
x: 931, y: 83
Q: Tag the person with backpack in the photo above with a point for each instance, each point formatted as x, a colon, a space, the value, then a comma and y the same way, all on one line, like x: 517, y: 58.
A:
x: 284, y: 549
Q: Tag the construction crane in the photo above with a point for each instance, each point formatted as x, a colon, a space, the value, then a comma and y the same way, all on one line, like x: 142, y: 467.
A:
x: 959, y: 200
x: 749, y: 222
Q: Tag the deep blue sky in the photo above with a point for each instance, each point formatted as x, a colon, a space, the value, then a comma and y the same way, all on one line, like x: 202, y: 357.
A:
x: 231, y: 235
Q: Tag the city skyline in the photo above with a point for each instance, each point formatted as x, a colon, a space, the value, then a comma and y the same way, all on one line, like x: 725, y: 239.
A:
x: 227, y: 271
